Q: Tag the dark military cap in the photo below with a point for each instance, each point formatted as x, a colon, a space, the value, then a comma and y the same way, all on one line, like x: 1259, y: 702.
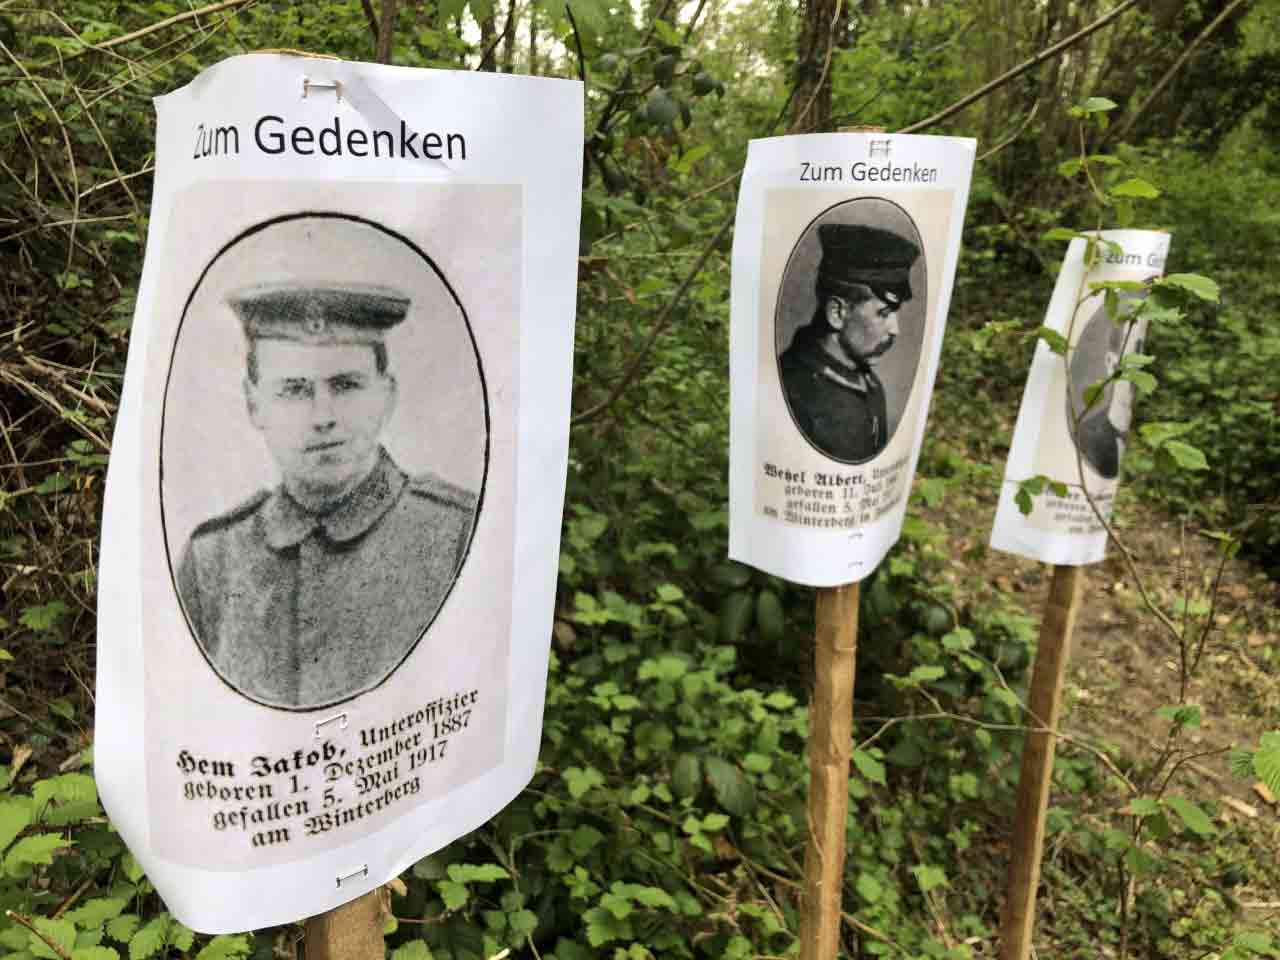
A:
x: 319, y: 315
x: 878, y: 258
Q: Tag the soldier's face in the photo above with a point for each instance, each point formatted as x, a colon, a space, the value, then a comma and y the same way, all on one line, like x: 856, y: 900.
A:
x: 869, y: 328
x: 321, y: 410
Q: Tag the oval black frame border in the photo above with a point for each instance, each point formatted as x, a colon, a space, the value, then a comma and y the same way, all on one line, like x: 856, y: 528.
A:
x: 164, y: 409
x: 777, y: 354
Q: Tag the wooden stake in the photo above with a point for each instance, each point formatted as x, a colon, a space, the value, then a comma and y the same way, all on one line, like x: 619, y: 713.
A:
x: 1045, y: 704
x: 835, y: 665
x: 830, y: 740
x: 352, y: 931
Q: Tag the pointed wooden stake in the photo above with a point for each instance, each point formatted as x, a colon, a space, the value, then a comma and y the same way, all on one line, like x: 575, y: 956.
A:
x: 352, y: 931
x: 830, y: 741
x: 1045, y: 704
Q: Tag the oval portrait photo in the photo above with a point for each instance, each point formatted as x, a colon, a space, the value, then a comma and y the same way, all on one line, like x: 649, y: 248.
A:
x: 1100, y: 434
x: 849, y: 326
x: 324, y: 445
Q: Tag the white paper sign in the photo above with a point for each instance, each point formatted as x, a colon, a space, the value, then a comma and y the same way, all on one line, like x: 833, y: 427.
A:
x: 843, y: 259
x: 323, y: 622
x: 1065, y: 530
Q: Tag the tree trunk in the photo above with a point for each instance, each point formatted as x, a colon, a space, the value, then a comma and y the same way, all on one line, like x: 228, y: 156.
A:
x: 815, y: 42
x: 509, y: 38
x: 488, y: 44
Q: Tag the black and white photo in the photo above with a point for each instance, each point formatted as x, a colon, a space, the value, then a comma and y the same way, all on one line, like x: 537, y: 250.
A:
x: 1078, y: 443
x: 849, y: 327
x: 1099, y: 429
x: 315, y: 586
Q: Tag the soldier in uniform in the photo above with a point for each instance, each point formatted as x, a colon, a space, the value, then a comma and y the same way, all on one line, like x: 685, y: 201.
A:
x: 1102, y: 429
x: 314, y: 591
x: 828, y: 371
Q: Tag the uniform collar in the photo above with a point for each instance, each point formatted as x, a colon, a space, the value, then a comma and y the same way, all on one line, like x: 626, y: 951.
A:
x: 860, y: 378
x: 287, y: 523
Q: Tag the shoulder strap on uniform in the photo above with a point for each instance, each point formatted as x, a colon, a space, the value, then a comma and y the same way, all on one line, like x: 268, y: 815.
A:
x: 435, y: 488
x: 234, y: 515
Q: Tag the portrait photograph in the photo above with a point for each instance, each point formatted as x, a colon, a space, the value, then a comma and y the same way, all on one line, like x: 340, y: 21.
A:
x: 324, y: 448
x: 849, y: 327
x: 1103, y: 425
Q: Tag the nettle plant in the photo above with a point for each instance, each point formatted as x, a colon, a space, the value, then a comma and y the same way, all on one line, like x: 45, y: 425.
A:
x: 1139, y: 841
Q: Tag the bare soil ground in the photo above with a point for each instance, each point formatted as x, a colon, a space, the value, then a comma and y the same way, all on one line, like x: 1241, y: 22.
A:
x: 1125, y: 665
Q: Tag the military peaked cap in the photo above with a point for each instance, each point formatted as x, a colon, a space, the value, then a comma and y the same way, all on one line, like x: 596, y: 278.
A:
x: 856, y: 254
x: 319, y: 315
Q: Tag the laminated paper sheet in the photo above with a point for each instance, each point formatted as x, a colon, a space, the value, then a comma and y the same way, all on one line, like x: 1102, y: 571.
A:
x: 323, y: 623
x: 1065, y: 530
x: 843, y: 259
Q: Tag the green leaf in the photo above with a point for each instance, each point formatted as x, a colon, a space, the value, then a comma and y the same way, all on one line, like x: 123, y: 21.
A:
x: 1193, y: 283
x: 150, y: 940
x: 66, y: 799
x: 655, y: 898
x: 44, y: 617
x: 732, y: 790
x: 61, y: 932
x: 620, y: 907
x: 1135, y: 187
x: 871, y: 768
x: 769, y: 616
x: 1069, y: 168
x: 413, y: 950
x: 686, y: 776
x: 1098, y: 105
x: 581, y: 782
x: 98, y: 953
x: 869, y: 888
x: 929, y: 877
x: 1063, y: 233
x: 15, y: 815
x: 1186, y: 456
x: 1056, y: 341
x: 33, y: 851
x: 603, y: 927
x: 1192, y: 817
x: 477, y: 873
x: 238, y: 946
x: 1161, y: 432
x: 1184, y: 715
x: 1266, y: 761
x: 1255, y: 941
x: 1023, y: 500
x: 736, y: 615
x: 123, y: 927
x: 926, y: 674
x: 454, y: 895
x: 1143, y: 807
x: 1144, y: 381
x: 95, y: 913
x: 584, y: 839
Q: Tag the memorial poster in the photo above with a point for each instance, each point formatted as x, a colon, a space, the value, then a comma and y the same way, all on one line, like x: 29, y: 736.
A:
x: 1060, y: 434
x: 323, y: 624
x: 844, y: 254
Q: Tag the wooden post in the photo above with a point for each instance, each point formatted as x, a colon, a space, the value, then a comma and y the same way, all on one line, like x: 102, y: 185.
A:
x: 352, y: 931
x: 835, y: 665
x: 830, y: 741
x: 1045, y: 704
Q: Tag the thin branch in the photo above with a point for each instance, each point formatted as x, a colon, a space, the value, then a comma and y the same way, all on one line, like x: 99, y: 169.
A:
x: 371, y: 18
x: 577, y: 40
x: 1019, y: 70
x: 171, y: 21
x: 51, y: 944
x: 660, y: 324
x: 1013, y: 136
